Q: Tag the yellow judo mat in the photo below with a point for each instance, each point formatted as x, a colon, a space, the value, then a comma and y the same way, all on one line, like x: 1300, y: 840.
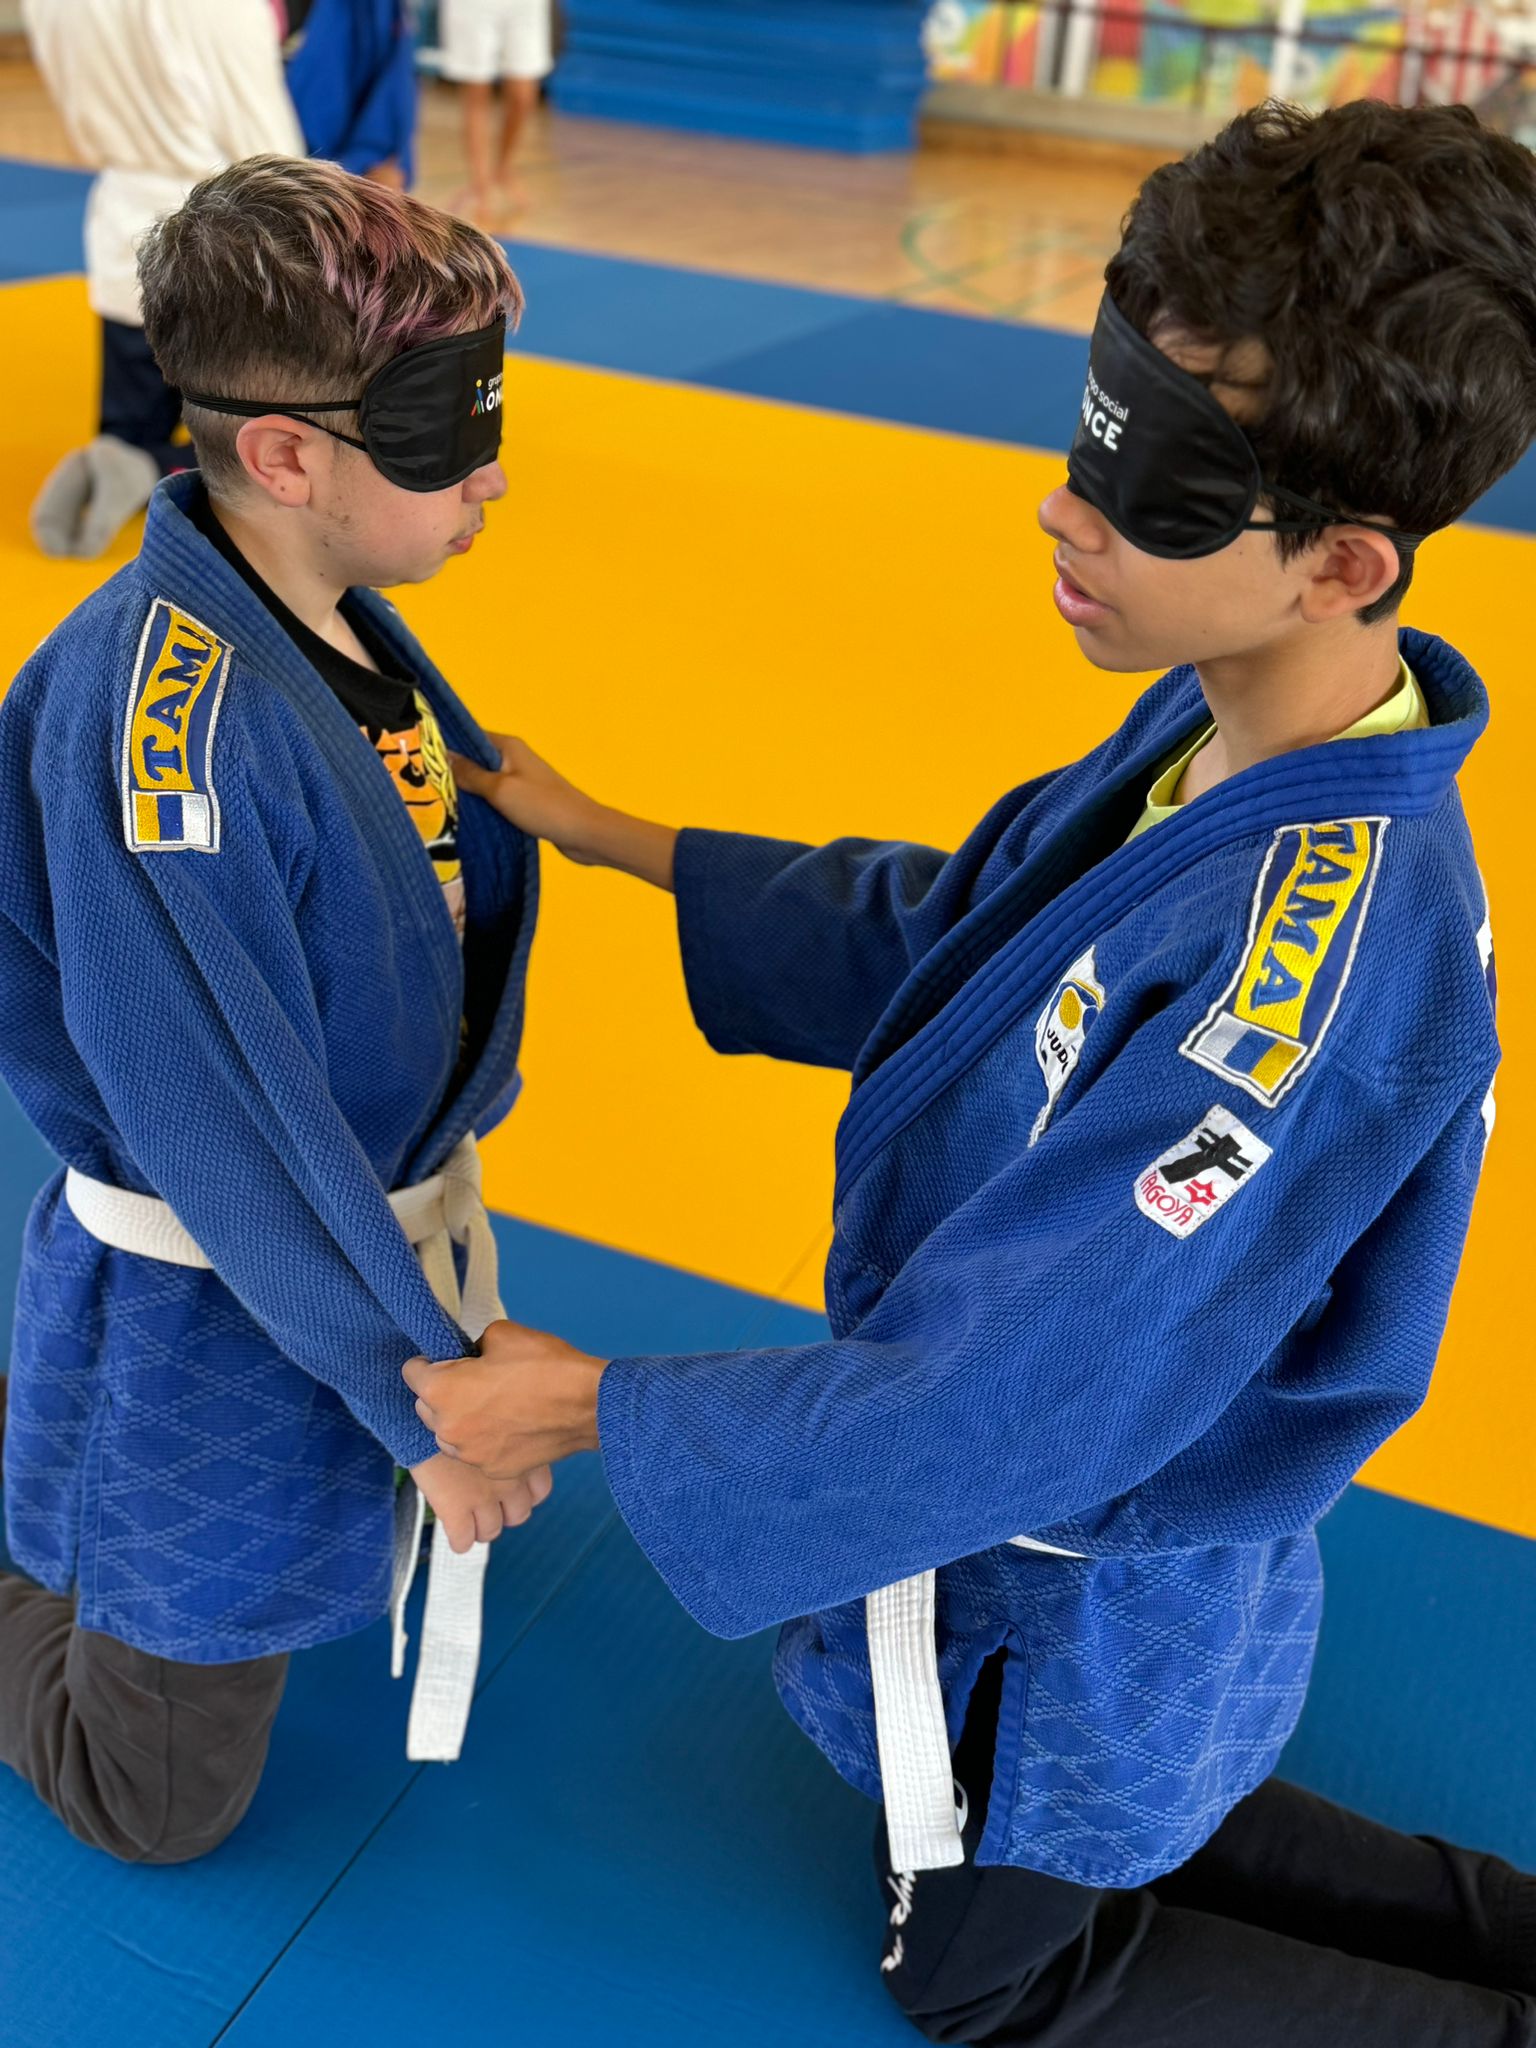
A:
x: 723, y: 611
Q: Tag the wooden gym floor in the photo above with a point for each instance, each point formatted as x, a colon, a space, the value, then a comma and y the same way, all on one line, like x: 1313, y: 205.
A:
x: 1021, y: 233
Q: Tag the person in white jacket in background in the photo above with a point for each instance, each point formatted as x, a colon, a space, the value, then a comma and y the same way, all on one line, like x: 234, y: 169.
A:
x: 155, y: 94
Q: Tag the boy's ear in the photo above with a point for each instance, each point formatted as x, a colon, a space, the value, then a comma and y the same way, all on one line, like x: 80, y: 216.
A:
x: 1350, y: 568
x: 279, y: 456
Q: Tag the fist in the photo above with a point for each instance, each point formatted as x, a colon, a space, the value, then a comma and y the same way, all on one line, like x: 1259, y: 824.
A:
x: 528, y: 1400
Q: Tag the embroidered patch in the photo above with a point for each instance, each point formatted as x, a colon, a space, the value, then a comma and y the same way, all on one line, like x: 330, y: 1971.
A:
x: 169, y: 801
x: 1062, y: 1031
x: 1194, y: 1178
x: 1309, y: 909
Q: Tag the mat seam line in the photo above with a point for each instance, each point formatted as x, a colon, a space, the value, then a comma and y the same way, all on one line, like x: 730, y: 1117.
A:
x: 780, y: 1298
x: 415, y: 1777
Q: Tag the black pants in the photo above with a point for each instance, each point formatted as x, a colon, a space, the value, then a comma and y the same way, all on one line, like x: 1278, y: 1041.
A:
x: 137, y: 405
x: 153, y: 1761
x: 1298, y: 1924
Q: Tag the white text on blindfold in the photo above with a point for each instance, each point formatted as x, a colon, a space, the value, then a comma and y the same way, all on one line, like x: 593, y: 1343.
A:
x: 1101, y: 416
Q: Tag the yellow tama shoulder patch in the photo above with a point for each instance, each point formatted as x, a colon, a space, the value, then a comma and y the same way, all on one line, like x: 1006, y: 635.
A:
x: 169, y: 800
x: 1309, y: 908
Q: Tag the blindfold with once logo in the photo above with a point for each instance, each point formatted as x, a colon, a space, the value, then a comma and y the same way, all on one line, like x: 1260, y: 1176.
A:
x: 429, y: 419
x: 1166, y: 464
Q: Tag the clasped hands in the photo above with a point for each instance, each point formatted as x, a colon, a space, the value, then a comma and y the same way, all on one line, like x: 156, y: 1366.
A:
x: 501, y: 1421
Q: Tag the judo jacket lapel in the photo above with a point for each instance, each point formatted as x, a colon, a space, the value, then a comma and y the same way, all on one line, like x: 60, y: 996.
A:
x: 501, y: 881
x: 500, y: 864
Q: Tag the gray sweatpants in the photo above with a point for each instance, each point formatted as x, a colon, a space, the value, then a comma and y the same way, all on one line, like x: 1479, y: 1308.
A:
x: 153, y: 1761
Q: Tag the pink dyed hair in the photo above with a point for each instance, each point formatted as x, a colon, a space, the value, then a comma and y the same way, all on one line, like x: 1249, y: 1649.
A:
x: 289, y: 269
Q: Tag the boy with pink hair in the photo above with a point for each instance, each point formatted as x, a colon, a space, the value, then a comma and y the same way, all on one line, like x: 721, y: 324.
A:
x: 262, y: 982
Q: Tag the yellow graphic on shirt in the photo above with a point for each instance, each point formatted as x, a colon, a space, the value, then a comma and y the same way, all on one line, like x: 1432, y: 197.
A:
x: 417, y: 761
x: 418, y: 766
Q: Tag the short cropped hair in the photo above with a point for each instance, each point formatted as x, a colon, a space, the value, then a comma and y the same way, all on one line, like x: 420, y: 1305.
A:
x: 1385, y: 258
x: 285, y: 278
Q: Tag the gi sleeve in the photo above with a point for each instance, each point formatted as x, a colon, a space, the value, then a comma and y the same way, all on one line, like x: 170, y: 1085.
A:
x: 793, y: 950
x: 190, y: 1002
x: 383, y: 126
x: 1053, y: 1342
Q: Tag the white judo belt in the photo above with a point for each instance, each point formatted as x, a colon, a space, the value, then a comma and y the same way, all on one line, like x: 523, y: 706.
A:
x: 443, y: 1212
x: 921, y: 1814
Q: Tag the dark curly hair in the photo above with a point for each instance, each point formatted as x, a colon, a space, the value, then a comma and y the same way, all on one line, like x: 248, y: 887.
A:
x: 1385, y: 258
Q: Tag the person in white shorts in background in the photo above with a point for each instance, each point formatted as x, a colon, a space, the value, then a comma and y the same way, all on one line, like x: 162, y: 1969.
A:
x: 486, y: 42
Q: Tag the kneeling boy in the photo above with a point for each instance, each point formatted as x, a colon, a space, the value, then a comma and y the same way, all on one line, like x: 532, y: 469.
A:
x: 257, y: 969
x: 1169, y: 1102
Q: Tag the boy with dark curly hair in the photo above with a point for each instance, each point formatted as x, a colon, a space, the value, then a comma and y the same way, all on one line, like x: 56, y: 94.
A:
x: 1170, y: 1094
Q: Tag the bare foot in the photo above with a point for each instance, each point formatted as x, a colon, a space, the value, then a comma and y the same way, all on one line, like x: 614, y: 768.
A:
x: 475, y: 205
x: 511, y: 197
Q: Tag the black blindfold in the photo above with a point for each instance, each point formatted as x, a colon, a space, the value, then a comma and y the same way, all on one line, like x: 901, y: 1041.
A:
x: 429, y: 419
x: 1170, y: 469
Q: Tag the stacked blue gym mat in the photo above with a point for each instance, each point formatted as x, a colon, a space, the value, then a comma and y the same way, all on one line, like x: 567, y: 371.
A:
x: 829, y: 74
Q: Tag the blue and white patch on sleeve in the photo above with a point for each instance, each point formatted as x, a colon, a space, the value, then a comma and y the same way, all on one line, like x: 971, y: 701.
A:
x: 1061, y: 1032
x: 169, y: 800
x: 1309, y: 909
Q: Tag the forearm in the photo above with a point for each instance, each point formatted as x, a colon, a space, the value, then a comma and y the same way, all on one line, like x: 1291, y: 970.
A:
x: 540, y: 801
x: 634, y: 846
x: 566, y: 1419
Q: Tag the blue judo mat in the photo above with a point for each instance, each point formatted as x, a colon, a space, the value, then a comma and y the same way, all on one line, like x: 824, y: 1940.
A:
x: 637, y: 1846
x: 633, y: 1837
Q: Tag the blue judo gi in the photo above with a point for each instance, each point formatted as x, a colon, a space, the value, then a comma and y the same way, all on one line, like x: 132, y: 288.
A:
x: 1151, y: 1192
x: 228, y: 977
x: 352, y: 80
